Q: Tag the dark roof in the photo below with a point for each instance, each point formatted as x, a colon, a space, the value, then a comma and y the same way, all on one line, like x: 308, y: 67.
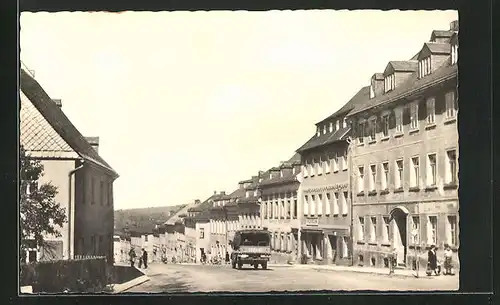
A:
x: 60, y: 122
x: 278, y: 180
x: 441, y: 33
x: 360, y: 97
x: 412, y: 85
x: 251, y: 199
x: 438, y: 48
x: 379, y: 76
x: 404, y: 65
x: 324, y: 139
x: 294, y: 160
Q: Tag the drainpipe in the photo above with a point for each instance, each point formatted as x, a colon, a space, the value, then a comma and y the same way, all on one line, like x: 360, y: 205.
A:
x: 70, y: 210
x: 350, y: 171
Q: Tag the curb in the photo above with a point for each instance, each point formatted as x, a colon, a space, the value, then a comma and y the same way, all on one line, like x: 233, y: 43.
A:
x: 119, y: 288
x: 377, y: 273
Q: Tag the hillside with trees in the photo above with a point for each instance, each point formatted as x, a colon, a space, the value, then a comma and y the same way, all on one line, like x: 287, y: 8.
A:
x: 143, y: 220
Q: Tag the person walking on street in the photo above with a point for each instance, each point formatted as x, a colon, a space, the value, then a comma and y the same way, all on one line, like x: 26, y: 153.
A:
x: 132, y: 256
x: 432, y: 261
x: 145, y: 258
x: 448, y: 266
x: 227, y: 257
x: 393, y: 260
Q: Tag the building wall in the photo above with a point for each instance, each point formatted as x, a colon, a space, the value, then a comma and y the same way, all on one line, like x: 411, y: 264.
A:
x: 202, y: 239
x: 325, y: 222
x: 94, y: 213
x: 56, y: 172
x: 191, y: 242
x: 374, y: 241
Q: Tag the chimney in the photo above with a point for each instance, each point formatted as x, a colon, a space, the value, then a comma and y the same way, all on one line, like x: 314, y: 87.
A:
x: 222, y: 193
x: 197, y: 201
x: 58, y: 102
x: 215, y: 192
x: 94, y: 142
x: 454, y: 25
x: 377, y: 85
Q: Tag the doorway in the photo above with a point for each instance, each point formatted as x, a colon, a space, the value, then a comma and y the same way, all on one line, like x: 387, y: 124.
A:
x: 399, y: 219
x: 333, y: 245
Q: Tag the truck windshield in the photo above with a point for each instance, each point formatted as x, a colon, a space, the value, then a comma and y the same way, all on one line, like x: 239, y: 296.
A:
x: 255, y: 239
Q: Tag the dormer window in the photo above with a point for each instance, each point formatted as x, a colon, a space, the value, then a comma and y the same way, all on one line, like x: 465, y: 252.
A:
x: 318, y: 131
x: 344, y: 123
x: 372, y: 92
x: 337, y: 125
x: 324, y: 129
x: 331, y: 126
x: 390, y: 82
x: 293, y: 170
x: 271, y: 176
x: 424, y: 67
x: 454, y: 53
x: 281, y: 173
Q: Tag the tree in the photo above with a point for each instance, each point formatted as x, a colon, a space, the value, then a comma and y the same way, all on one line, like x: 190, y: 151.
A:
x: 40, y: 214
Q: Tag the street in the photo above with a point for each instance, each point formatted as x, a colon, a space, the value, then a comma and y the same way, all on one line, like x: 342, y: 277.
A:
x: 205, y: 278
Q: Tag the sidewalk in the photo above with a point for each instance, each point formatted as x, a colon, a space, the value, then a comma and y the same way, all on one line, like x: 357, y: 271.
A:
x: 369, y: 270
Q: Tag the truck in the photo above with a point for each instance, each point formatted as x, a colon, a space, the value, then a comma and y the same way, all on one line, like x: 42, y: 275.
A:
x: 251, y: 247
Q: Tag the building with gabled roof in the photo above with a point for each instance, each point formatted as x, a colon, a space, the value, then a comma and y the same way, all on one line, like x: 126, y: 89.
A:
x: 405, y: 160
x: 83, y: 178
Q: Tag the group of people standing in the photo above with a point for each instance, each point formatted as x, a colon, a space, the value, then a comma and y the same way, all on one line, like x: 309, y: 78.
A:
x: 432, y: 261
x: 143, y: 258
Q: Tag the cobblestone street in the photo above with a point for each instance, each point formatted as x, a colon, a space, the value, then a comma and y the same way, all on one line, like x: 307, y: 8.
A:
x: 205, y: 278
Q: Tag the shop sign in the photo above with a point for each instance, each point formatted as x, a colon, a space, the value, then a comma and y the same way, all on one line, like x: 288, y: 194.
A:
x: 335, y: 188
x: 312, y: 221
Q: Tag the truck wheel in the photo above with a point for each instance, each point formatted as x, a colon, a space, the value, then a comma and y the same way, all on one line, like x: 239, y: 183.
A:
x: 255, y: 266
x: 233, y: 264
x: 240, y: 264
x: 264, y: 265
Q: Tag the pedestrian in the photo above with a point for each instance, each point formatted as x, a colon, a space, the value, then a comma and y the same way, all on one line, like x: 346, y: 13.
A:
x: 393, y: 260
x: 432, y: 261
x: 132, y: 256
x: 145, y: 258
x: 227, y: 257
x: 448, y: 266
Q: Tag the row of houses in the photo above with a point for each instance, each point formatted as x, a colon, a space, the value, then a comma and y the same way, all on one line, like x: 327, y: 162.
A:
x: 72, y: 163
x: 380, y: 175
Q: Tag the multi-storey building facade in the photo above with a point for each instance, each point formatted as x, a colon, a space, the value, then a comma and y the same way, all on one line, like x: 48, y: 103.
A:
x: 326, y: 203
x: 221, y: 214
x: 279, y: 191
x: 404, y: 158
x: 72, y: 163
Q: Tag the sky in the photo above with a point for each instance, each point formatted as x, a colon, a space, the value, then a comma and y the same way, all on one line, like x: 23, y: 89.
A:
x: 188, y: 103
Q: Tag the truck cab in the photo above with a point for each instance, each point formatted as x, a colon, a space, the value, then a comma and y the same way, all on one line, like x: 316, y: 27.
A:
x: 251, y: 247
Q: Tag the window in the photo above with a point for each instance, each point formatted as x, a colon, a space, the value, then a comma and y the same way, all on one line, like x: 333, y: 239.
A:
x: 373, y: 235
x: 424, y: 67
x: 361, y: 135
x: 304, y: 170
x: 202, y: 233
x: 102, y: 193
x: 414, y: 116
x: 390, y: 82
x: 372, y: 92
x: 326, y: 166
x: 385, y: 233
x: 281, y: 176
x: 92, y: 190
x: 336, y: 204
x: 451, y: 173
x: 145, y: 238
x: 432, y: 229
x: 399, y: 120
x: 334, y: 164
x: 385, y: 175
x: 344, y: 204
x: 295, y: 208
x: 373, y: 129
x: 431, y: 170
x: 312, y: 205
x: 450, y: 104
x: 361, y: 235
x: 320, y: 205
x: 337, y: 125
x: 398, y: 183
x: 328, y: 203
x: 373, y: 176
x: 431, y: 110
x: 331, y: 126
x: 454, y: 54
x: 344, y: 123
x: 415, y: 229
x: 324, y: 129
x: 316, y: 168
x: 452, y: 231
x: 306, y: 205
x: 318, y: 131
x: 361, y: 179
x: 385, y: 125
x: 415, y: 174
